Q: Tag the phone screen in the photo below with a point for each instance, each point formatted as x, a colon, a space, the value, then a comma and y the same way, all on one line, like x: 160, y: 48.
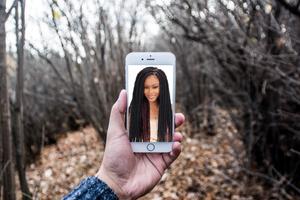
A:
x: 150, y: 107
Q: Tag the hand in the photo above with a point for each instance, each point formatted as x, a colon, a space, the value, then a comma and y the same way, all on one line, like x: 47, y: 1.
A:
x: 131, y: 175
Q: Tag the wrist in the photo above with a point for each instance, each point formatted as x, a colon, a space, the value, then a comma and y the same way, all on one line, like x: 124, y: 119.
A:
x: 102, y: 175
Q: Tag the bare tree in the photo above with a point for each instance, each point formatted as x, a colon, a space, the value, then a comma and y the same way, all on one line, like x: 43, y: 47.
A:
x: 251, y: 50
x: 94, y: 54
x: 19, y: 108
x: 7, y: 164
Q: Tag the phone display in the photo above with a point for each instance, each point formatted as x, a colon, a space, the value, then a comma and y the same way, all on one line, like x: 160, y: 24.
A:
x: 150, y: 101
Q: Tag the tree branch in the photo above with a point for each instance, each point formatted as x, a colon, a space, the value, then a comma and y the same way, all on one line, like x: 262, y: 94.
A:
x: 10, y: 9
x: 292, y: 9
x: 44, y: 57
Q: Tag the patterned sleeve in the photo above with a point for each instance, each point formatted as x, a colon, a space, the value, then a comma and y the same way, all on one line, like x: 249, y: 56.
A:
x: 91, y: 188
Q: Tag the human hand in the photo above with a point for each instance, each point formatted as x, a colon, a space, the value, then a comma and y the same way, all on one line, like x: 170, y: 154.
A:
x: 131, y: 175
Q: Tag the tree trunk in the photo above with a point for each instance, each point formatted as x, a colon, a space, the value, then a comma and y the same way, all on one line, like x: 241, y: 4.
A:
x: 19, y: 132
x: 5, y: 128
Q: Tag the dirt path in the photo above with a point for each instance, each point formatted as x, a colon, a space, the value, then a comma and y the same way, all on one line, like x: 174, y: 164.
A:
x: 208, y: 168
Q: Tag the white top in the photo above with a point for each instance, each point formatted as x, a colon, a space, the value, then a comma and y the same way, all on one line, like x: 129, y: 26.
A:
x: 153, y: 130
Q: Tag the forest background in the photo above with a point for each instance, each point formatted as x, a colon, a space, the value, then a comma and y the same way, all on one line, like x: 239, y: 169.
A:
x: 238, y: 68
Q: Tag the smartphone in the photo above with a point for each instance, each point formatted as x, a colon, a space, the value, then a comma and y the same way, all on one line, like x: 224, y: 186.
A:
x: 150, y: 84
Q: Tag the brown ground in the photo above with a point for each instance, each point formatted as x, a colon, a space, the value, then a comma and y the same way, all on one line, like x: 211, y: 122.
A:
x: 208, y: 168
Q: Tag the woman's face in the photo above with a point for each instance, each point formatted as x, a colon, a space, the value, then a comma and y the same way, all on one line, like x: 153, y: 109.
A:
x: 151, y: 88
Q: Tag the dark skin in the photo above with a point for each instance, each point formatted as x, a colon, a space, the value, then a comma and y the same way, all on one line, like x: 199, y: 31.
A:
x: 132, y: 175
x: 151, y: 92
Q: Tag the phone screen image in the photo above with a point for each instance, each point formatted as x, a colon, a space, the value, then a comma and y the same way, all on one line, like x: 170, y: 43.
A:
x: 150, y: 114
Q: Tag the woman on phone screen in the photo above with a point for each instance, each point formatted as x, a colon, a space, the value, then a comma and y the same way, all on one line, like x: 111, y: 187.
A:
x: 150, y: 111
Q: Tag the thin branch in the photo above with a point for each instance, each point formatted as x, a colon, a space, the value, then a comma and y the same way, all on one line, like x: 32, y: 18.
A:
x: 50, y: 98
x: 10, y: 9
x: 294, y: 151
x: 44, y: 57
x: 4, y: 168
x: 292, y: 9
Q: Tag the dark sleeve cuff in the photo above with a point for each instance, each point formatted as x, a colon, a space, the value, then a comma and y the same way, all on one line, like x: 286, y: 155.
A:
x: 91, y: 188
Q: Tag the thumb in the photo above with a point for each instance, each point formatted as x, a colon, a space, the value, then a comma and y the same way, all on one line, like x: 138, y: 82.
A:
x: 116, y: 121
x: 121, y: 102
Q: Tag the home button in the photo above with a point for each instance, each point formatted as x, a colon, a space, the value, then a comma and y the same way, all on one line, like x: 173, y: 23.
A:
x: 150, y: 147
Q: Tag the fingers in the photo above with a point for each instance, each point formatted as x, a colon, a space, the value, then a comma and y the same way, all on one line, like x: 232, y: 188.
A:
x: 176, y: 150
x: 172, y: 156
x: 119, y: 106
x: 116, y: 120
x: 179, y: 119
x: 121, y: 102
x: 177, y: 137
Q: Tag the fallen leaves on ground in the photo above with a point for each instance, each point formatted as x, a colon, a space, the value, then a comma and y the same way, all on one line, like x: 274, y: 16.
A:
x: 209, y: 167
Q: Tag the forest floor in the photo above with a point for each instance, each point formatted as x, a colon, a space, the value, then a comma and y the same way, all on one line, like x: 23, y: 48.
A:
x: 209, y: 167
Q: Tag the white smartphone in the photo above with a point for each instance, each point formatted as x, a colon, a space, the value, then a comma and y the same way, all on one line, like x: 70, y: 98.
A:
x: 150, y: 85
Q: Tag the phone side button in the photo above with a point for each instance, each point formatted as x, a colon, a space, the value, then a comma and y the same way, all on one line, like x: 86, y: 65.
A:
x: 150, y: 147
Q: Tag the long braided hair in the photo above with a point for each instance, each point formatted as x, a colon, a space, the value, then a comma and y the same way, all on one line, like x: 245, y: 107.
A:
x: 139, y: 109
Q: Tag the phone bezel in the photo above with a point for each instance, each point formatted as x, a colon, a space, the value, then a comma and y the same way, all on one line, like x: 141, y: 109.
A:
x: 152, y: 58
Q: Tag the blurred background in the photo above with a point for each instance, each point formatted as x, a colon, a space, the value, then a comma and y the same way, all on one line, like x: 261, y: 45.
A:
x: 238, y: 67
